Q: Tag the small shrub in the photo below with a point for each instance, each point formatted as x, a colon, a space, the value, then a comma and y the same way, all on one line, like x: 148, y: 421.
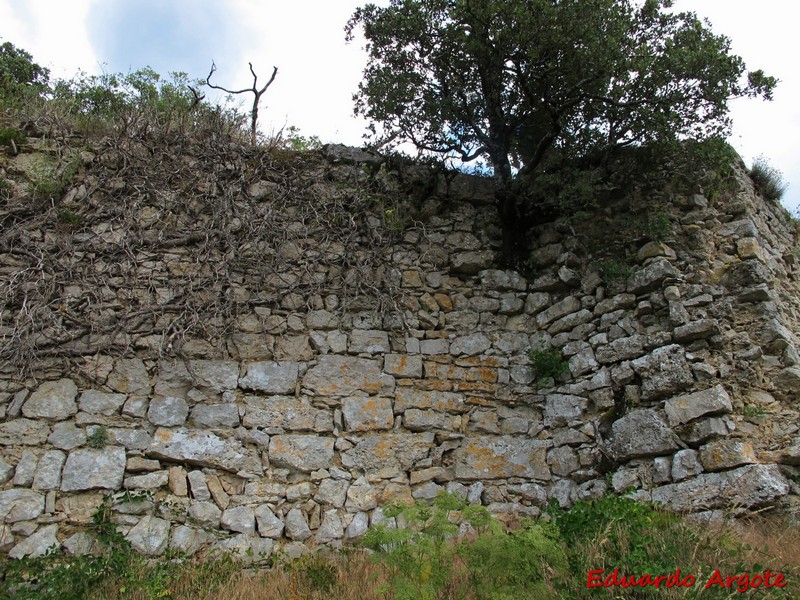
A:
x: 658, y: 226
x: 68, y: 217
x: 13, y: 138
x: 547, y: 363
x: 98, y: 438
x: 767, y: 179
x: 612, y: 270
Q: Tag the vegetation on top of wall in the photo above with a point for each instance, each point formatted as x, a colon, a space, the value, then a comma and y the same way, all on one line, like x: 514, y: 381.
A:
x: 767, y: 179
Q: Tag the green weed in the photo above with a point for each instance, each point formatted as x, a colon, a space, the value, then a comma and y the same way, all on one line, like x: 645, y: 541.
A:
x: 547, y: 363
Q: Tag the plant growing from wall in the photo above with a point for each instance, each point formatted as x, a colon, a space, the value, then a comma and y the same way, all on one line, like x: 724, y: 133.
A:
x: 547, y: 363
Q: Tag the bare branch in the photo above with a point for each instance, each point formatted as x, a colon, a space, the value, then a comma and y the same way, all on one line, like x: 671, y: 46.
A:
x: 257, y: 93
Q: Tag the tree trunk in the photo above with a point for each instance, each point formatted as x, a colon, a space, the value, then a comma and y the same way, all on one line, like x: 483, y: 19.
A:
x: 510, y: 219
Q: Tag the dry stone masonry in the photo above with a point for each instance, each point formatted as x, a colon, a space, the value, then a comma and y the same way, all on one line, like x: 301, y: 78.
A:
x: 681, y: 385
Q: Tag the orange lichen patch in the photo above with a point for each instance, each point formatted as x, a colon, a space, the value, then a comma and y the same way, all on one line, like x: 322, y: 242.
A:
x: 444, y: 301
x: 486, y: 374
x: 398, y: 493
x: 163, y: 435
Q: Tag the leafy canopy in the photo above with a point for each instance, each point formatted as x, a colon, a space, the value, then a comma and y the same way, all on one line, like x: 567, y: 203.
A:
x: 19, y: 75
x: 524, y: 82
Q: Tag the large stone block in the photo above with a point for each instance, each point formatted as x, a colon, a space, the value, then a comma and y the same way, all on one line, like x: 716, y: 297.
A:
x: 560, y: 409
x: 271, y: 377
x: 149, y: 536
x: 367, y: 413
x: 23, y: 432
x: 651, y: 276
x: 204, y: 449
x: 101, y: 403
x: 472, y: 344
x: 686, y: 408
x: 406, y: 398
x: 727, y: 454
x: 495, y: 457
x: 345, y: 375
x: 54, y: 401
x: 216, y: 415
x: 89, y: 469
x: 567, y: 306
x: 168, y: 411
x: 20, y: 505
x: 369, y: 341
x: 752, y: 486
x: 286, y: 412
x: 304, y: 453
x: 37, y: 544
x: 641, y: 433
x: 664, y: 372
x: 217, y: 375
x: 129, y: 376
x: 389, y: 454
x: 403, y: 365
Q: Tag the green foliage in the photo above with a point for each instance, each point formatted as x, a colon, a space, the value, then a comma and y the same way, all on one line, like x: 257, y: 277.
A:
x: 611, y: 269
x: 293, y: 140
x: 538, y: 82
x: 516, y: 564
x: 767, y: 179
x: 69, y: 217
x: 48, y: 181
x: 547, y: 363
x: 423, y: 556
x: 12, y: 137
x: 98, y: 438
x: 21, y: 79
x: 657, y: 226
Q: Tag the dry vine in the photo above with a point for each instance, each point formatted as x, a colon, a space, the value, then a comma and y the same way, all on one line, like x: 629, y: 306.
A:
x: 161, y: 239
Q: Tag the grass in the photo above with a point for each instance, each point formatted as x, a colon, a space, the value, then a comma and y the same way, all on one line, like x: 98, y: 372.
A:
x: 767, y: 179
x: 433, y: 558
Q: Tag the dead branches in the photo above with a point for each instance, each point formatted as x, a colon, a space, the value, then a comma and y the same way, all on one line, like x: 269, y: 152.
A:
x: 257, y: 93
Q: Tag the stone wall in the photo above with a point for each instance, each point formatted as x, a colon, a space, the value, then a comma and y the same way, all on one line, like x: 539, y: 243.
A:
x: 294, y: 428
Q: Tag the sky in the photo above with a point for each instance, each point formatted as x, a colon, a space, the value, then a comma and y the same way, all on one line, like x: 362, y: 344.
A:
x: 318, y: 72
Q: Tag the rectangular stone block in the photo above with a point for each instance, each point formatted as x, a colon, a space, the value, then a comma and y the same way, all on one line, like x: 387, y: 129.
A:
x: 271, y: 377
x: 406, y: 398
x: 403, y: 365
x: 389, y: 454
x: 501, y: 456
x: 285, y: 412
x: 367, y: 413
x: 304, y: 453
x: 345, y: 375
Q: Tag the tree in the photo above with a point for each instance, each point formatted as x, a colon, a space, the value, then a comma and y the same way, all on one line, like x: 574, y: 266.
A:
x: 257, y: 93
x: 530, y: 82
x: 19, y: 75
